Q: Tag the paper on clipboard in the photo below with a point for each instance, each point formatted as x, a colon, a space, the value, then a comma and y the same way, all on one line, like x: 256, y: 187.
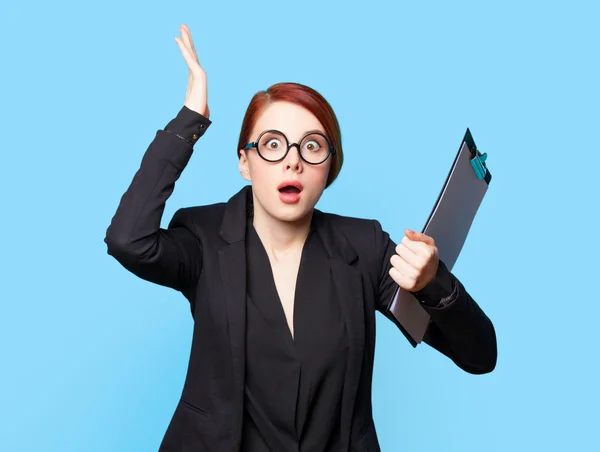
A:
x: 449, y: 223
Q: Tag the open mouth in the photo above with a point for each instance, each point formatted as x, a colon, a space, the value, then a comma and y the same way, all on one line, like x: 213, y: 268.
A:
x: 290, y: 189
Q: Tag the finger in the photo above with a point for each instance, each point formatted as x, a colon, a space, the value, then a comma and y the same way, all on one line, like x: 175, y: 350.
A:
x: 187, y: 56
x: 409, y: 256
x: 401, y: 279
x: 417, y: 247
x: 398, y: 277
x: 184, y: 43
x: 187, y: 38
x: 404, y: 267
x: 419, y: 236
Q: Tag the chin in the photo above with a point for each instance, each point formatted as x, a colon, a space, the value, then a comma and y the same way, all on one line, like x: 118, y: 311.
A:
x: 291, y: 212
x: 291, y: 216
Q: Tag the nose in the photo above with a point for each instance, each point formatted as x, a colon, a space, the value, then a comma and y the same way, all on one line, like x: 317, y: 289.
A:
x: 292, y: 159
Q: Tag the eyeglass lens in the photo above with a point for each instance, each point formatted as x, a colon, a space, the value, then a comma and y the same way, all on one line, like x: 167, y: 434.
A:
x: 313, y: 148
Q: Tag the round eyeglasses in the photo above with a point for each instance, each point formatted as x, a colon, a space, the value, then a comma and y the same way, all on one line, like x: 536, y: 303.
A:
x: 273, y: 146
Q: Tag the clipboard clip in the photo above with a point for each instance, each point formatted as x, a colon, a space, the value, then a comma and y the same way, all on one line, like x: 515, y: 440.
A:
x: 478, y: 164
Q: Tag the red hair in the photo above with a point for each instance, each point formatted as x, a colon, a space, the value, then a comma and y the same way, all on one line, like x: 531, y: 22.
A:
x: 302, y: 96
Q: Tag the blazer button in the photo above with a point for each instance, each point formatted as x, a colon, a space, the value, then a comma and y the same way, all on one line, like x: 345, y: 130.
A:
x: 195, y: 136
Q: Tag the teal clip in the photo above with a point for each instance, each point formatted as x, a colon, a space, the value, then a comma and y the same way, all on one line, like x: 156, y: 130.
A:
x: 478, y: 164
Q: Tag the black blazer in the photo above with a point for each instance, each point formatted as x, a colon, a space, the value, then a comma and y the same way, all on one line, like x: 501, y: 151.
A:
x: 202, y: 255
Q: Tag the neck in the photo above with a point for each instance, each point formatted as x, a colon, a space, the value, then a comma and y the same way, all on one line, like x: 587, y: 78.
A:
x: 280, y: 237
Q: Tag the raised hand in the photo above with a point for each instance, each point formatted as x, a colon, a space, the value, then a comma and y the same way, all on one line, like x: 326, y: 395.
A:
x: 196, y: 96
x: 416, y: 261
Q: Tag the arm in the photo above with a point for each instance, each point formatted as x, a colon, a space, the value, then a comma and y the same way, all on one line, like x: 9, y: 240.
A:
x: 170, y: 257
x: 458, y: 328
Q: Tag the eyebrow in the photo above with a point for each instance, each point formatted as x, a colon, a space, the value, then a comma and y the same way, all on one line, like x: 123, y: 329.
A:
x: 309, y: 131
x: 303, y: 135
x: 313, y: 131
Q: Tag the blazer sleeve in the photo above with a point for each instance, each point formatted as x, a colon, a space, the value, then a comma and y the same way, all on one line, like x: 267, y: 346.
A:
x: 458, y: 328
x: 170, y: 257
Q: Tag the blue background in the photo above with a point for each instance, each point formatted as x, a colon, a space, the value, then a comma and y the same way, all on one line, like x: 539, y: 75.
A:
x: 93, y: 358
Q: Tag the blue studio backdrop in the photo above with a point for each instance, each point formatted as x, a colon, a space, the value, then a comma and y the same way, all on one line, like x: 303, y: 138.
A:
x: 93, y: 358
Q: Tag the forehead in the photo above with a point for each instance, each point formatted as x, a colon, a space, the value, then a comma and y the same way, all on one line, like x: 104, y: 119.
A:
x: 291, y: 119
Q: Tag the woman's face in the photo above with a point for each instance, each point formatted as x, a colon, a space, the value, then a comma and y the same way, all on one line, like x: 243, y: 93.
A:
x: 269, y: 178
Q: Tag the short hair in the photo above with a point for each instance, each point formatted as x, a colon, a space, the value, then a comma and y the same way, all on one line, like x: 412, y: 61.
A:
x: 302, y: 96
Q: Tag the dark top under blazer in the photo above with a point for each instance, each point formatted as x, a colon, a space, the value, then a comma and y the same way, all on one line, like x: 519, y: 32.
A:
x: 202, y: 255
x: 293, y: 385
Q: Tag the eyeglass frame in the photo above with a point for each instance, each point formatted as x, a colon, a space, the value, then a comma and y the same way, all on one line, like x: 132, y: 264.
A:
x: 254, y: 144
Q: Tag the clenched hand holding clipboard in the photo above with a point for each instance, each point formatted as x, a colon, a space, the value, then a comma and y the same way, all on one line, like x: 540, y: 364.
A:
x: 448, y: 223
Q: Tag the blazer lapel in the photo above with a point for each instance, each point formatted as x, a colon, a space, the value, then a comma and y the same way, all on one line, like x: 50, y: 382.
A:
x: 232, y: 261
x: 348, y: 285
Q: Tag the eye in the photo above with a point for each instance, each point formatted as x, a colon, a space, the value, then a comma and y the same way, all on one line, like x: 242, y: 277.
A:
x: 273, y: 144
x: 312, y: 146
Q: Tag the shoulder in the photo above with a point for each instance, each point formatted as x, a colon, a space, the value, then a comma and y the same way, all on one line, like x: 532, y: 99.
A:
x: 365, y: 235
x: 354, y: 227
x: 371, y: 244
x: 348, y: 224
x: 206, y: 217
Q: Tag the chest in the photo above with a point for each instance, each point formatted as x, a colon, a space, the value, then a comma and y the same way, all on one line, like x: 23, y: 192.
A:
x: 285, y: 278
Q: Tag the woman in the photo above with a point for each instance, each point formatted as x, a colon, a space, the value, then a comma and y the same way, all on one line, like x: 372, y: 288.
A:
x: 283, y: 296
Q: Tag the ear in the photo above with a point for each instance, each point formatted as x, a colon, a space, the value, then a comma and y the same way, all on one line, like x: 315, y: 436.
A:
x: 243, y: 165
